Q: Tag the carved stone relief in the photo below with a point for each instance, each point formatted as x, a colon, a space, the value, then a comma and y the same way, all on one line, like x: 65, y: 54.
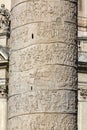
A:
x: 83, y: 94
x: 43, y: 75
x: 3, y: 92
x: 4, y: 19
x: 43, y: 10
x: 43, y: 121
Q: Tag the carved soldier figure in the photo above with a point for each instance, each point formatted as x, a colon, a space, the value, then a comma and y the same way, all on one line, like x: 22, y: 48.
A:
x: 4, y: 17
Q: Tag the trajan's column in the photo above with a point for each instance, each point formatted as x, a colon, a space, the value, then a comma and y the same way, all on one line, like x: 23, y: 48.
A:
x: 43, y: 65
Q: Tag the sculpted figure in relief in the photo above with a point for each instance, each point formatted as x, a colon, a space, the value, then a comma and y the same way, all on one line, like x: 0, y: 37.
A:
x: 4, y: 18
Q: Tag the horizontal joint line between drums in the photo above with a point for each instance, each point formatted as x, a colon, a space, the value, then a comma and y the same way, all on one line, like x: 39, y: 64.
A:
x: 51, y: 113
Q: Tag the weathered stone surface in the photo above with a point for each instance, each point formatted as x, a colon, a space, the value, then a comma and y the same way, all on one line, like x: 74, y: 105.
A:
x: 48, y: 78
x: 15, y: 2
x: 43, y: 10
x: 43, y: 122
x: 4, y: 20
x: 43, y: 76
x: 82, y: 95
x: 42, y: 33
x: 61, y: 101
x: 43, y: 54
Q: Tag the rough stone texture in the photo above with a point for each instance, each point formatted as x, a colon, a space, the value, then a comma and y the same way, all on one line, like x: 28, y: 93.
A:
x: 43, y: 33
x: 43, y: 122
x: 43, y: 76
x: 43, y: 11
x: 42, y: 101
x: 43, y: 54
x: 47, y: 77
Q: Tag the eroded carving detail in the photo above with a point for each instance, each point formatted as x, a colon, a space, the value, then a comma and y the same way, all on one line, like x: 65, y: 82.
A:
x: 4, y: 19
x: 83, y: 93
x: 42, y: 71
x: 3, y: 91
x: 43, y: 122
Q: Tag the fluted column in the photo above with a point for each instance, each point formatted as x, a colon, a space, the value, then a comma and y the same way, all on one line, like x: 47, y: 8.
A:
x: 43, y: 65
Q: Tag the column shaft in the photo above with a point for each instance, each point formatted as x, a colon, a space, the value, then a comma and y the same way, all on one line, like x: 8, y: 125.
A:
x: 43, y: 67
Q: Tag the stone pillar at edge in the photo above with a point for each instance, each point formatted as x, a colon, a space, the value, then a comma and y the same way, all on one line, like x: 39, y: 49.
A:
x: 43, y: 65
x: 3, y: 113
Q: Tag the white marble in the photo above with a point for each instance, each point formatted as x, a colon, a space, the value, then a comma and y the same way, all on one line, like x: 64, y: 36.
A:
x: 3, y: 114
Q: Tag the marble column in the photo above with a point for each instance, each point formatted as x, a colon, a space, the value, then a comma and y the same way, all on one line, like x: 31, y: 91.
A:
x: 43, y: 65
